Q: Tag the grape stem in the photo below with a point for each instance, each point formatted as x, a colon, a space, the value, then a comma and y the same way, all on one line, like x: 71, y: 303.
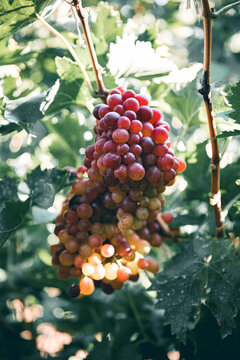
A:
x: 164, y: 226
x: 215, y: 199
x: 224, y: 9
x: 83, y: 16
x: 69, y: 47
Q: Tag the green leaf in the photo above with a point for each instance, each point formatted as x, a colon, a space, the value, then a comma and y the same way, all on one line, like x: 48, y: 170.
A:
x: 233, y: 99
x: 70, y: 134
x: 12, y: 216
x: 205, y: 271
x: 180, y: 285
x: 185, y: 104
x: 226, y: 134
x: 45, y: 184
x: 2, y: 107
x: 68, y: 91
x: 15, y: 14
x: 107, y: 18
x: 197, y: 174
x: 8, y: 189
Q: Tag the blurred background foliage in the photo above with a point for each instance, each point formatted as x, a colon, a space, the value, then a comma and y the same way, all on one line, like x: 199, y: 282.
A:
x: 154, y: 47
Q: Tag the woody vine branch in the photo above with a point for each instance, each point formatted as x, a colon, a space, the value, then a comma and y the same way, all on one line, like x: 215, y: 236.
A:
x: 215, y: 199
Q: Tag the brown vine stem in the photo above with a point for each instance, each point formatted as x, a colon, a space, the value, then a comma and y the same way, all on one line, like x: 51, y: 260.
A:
x: 83, y: 16
x: 215, y: 199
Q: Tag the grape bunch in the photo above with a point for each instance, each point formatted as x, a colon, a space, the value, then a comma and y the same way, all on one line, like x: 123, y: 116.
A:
x: 91, y: 247
x: 132, y: 155
x: 109, y: 221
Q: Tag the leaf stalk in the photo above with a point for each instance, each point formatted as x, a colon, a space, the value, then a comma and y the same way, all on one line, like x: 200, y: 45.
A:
x: 69, y: 47
x: 224, y: 9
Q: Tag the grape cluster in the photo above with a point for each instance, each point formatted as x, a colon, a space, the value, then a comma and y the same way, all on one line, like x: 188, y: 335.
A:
x: 132, y: 156
x: 93, y: 249
x: 108, y: 222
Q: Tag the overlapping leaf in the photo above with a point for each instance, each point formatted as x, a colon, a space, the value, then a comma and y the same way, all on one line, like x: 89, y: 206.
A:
x: 19, y: 13
x: 204, y: 272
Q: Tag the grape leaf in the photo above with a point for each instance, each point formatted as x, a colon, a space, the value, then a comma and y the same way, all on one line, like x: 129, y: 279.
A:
x: 68, y: 91
x: 205, y: 271
x: 233, y: 99
x: 45, y: 184
x: 70, y: 134
x: 107, y: 18
x: 12, y: 216
x: 8, y: 189
x: 226, y: 134
x: 15, y: 14
x: 185, y: 104
x: 2, y: 107
x: 197, y: 173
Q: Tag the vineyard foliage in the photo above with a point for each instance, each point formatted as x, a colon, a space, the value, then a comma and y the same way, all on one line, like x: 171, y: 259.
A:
x: 46, y: 122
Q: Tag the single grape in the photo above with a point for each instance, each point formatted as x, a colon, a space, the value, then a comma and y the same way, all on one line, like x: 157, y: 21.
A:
x: 131, y: 104
x: 147, y: 129
x: 111, y: 160
x: 146, y: 144
x: 107, y: 250
x: 130, y: 114
x: 122, y: 149
x: 156, y: 116
x: 74, y: 290
x: 128, y: 94
x: 136, y: 171
x: 84, y: 211
x: 165, y: 162
x: 159, y: 135
x: 136, y: 127
x: 142, y: 263
x: 135, y: 149
x: 120, y: 136
x: 124, y: 122
x: 109, y: 146
x: 153, y: 266
x: 66, y: 259
x: 86, y: 286
x: 114, y: 100
x: 129, y: 158
x: 87, y: 269
x: 123, y: 273
x: 144, y: 113
x: 119, y: 109
x: 111, y: 271
x: 110, y: 120
x: 103, y: 110
x: 142, y: 99
x: 95, y: 241
x: 121, y: 172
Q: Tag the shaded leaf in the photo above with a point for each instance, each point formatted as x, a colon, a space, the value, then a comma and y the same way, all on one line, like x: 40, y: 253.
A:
x: 233, y: 99
x: 45, y: 184
x: 205, y: 271
x: 12, y: 216
x: 185, y: 104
